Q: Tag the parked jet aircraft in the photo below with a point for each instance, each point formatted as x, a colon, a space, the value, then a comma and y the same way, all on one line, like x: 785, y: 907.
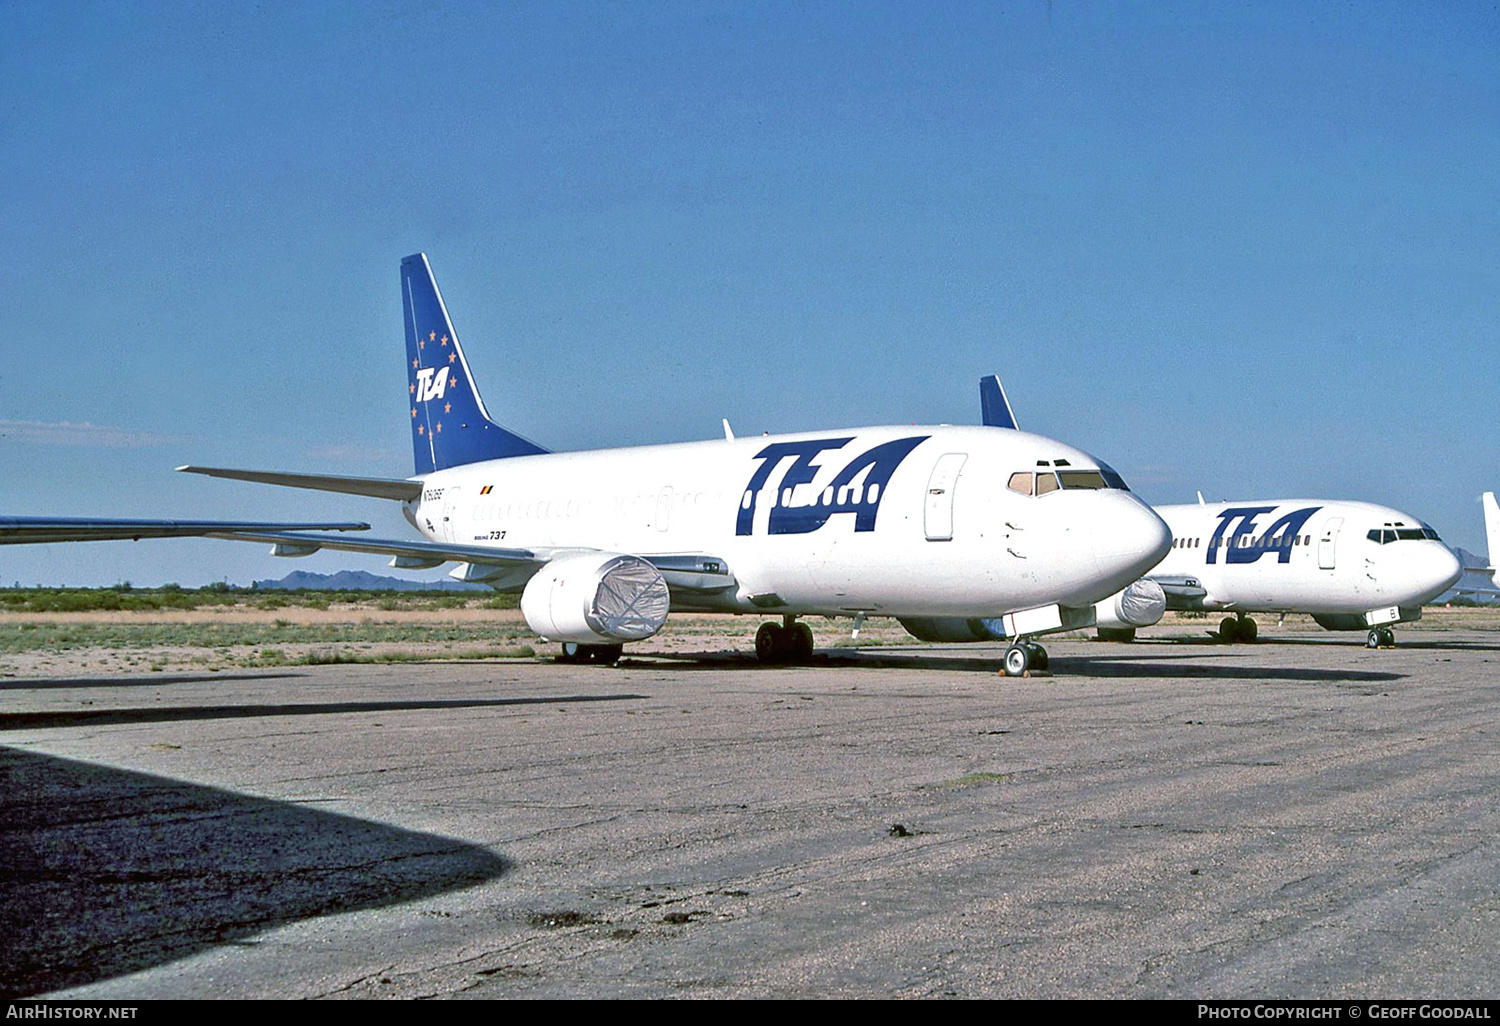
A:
x: 1352, y: 565
x: 921, y: 523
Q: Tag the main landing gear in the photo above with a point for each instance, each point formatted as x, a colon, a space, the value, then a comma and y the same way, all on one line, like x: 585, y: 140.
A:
x: 1237, y: 628
x: 1380, y: 637
x: 1025, y: 657
x: 606, y: 655
x: 785, y: 642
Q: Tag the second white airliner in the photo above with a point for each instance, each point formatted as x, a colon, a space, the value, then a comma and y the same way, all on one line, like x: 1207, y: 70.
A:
x: 1354, y: 566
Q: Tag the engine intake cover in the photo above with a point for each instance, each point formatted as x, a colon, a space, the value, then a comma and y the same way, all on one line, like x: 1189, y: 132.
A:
x: 596, y: 598
x: 1139, y: 605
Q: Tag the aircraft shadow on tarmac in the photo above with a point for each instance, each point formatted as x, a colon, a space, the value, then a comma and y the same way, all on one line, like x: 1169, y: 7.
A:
x: 173, y: 714
x: 107, y: 871
x: 158, y: 680
x: 1144, y: 664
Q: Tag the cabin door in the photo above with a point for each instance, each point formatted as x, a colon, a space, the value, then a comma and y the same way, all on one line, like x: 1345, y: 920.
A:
x: 1329, y: 542
x: 938, y: 513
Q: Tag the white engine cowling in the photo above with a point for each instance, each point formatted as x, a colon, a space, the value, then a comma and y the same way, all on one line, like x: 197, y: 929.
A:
x: 596, y: 598
x: 1139, y: 605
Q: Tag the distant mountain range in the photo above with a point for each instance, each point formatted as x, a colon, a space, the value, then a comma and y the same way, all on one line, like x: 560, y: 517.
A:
x: 359, y: 580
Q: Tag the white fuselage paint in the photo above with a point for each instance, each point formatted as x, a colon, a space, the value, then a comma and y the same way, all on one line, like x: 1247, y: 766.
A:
x: 952, y: 543
x: 1331, y: 565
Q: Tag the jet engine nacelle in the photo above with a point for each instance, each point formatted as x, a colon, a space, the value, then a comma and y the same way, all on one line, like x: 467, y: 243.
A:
x: 596, y: 598
x: 954, y: 628
x: 1139, y: 605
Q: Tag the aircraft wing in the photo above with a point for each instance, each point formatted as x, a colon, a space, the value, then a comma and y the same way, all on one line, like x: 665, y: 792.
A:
x: 503, y: 568
x: 39, y: 530
x: 1182, y: 592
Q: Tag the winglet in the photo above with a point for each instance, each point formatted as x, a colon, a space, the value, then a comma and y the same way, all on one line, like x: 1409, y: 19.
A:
x: 449, y: 424
x: 994, y: 405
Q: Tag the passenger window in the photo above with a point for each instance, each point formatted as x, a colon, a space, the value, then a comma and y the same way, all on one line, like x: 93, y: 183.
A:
x: 1020, y: 482
x: 1046, y: 483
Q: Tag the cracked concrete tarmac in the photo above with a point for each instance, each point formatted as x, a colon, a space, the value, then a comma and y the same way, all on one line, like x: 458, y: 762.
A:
x: 1302, y: 818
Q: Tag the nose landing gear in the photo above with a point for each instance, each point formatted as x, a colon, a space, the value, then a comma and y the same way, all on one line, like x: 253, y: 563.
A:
x: 1025, y: 657
x: 1380, y: 637
x: 785, y: 642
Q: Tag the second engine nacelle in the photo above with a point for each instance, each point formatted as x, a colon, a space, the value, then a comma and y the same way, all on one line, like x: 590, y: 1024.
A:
x: 954, y: 628
x: 596, y: 598
x: 1139, y: 605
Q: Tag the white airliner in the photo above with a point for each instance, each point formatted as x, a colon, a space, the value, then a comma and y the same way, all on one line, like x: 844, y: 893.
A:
x: 1352, y: 565
x: 922, y: 523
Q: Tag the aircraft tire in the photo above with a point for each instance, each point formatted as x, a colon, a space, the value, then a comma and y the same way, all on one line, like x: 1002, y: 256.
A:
x: 1387, y: 637
x: 770, y: 643
x: 1039, y: 658
x: 801, y: 637
x: 1017, y: 661
x: 1229, y: 630
x: 606, y: 655
x: 1120, y: 635
x: 1248, y: 630
x: 573, y: 652
x: 1372, y: 639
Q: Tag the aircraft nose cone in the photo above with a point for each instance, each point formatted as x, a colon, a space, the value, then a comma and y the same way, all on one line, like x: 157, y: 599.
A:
x: 1132, y: 540
x: 1442, y: 570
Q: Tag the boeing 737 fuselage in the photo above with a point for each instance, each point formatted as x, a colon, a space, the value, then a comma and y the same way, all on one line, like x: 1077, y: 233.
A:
x: 1352, y: 565
x: 921, y: 523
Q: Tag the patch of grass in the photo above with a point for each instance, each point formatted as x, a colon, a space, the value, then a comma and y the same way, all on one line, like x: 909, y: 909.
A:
x: 974, y: 780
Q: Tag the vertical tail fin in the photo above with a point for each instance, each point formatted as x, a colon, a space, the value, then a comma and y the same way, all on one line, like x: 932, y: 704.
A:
x: 1491, y: 527
x: 449, y: 424
x: 994, y: 405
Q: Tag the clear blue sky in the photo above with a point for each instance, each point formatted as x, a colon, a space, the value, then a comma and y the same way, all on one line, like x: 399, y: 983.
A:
x: 1252, y: 249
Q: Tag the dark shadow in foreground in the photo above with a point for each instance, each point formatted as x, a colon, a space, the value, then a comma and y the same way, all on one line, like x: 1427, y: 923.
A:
x: 133, y: 680
x: 106, y: 872
x: 171, y: 714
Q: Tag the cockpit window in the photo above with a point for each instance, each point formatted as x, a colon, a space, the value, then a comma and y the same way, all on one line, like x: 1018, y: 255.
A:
x: 1391, y: 534
x: 1082, y: 479
x: 1112, y: 477
x: 1040, y: 482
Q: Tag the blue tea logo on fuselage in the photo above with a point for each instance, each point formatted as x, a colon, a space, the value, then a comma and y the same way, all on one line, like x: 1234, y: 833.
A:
x: 1278, y: 537
x: 841, y: 495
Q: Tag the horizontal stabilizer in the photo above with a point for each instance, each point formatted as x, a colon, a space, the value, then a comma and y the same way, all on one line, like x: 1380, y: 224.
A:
x: 993, y: 404
x: 39, y: 530
x: 376, y: 487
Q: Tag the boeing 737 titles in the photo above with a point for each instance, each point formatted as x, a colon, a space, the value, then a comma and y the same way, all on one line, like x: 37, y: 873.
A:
x: 1352, y: 565
x: 921, y: 523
